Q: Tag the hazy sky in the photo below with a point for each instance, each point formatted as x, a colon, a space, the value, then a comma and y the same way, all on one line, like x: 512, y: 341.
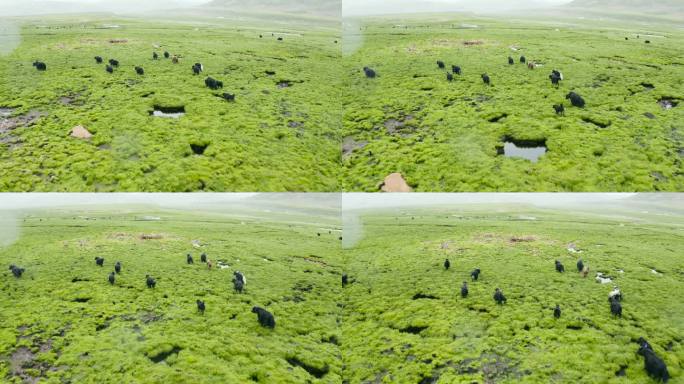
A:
x: 374, y: 7
x: 32, y: 7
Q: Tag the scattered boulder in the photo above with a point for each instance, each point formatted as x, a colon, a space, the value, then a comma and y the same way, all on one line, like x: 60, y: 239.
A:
x: 80, y: 132
x: 395, y: 183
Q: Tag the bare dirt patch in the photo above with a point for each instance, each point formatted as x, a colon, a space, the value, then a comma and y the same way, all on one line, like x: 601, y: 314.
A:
x: 395, y: 183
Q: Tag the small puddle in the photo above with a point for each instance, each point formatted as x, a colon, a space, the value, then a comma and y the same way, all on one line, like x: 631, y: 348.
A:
x: 531, y: 150
x: 667, y: 103
x: 168, y: 112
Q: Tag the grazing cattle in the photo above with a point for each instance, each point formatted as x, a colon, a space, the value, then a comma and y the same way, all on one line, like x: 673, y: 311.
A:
x: 280, y: 39
x: 209, y: 264
x: 560, y: 109
x: 555, y: 80
x: 174, y: 59
x: 464, y: 290
x: 615, y: 307
x: 240, y: 276
x: 440, y: 64
x: 523, y: 59
x: 559, y: 267
x: 557, y: 312
x: 648, y: 41
x: 450, y: 77
x: 345, y: 280
x: 203, y: 257
x: 139, y: 70
x: 580, y: 265
x: 109, y: 69
x: 16, y: 271
x: 231, y: 97
x: 99, y: 261
x: 585, y: 271
x: 265, y: 317
x: 213, y: 83
x: 499, y: 296
x: 150, y: 281
x: 117, y: 267
x: 197, y: 69
x: 98, y: 59
x: 238, y: 282
x: 644, y: 344
x: 155, y: 56
x: 456, y: 69
x: 531, y: 65
x: 369, y: 73
x: 40, y: 65
x: 575, y: 99
x: 447, y: 264
x: 189, y: 259
x: 615, y: 294
x: 485, y: 78
x: 114, y: 63
x: 200, y: 306
x: 655, y: 366
x: 475, y: 274
x: 167, y: 54
x: 510, y: 60
x: 557, y: 73
x: 111, y: 278
x: 261, y: 36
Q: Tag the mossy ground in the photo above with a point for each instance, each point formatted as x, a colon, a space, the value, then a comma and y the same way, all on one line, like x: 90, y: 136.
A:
x: 444, y: 136
x: 75, y: 327
x: 271, y: 138
x: 391, y: 335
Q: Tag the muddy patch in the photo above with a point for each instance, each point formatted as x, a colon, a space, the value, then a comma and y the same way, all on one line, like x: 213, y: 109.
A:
x: 413, y: 329
x: 317, y: 372
x: 530, y: 150
x: 597, y: 122
x: 668, y: 103
x: 8, y: 123
x: 419, y: 295
x: 163, y: 355
x: 349, y: 145
x: 168, y: 112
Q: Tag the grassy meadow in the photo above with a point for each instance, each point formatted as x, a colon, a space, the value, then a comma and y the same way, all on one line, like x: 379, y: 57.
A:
x: 406, y: 322
x: 280, y: 134
x: 446, y: 136
x: 62, y: 322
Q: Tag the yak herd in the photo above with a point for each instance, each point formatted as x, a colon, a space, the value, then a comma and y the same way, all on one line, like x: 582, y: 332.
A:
x: 265, y: 318
x: 197, y: 69
x: 655, y: 366
x: 556, y: 77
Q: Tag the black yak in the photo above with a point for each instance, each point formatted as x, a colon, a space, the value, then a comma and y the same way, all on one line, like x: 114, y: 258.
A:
x: 114, y: 63
x: 447, y: 264
x: 98, y: 59
x: 456, y: 69
x: 239, y: 281
x: 440, y: 64
x: 189, y: 259
x: 485, y: 78
x: 510, y: 60
x: 200, y: 306
x: 575, y: 99
x: 40, y: 65
x: 265, y: 317
x: 464, y: 289
x: 345, y: 280
x: 369, y: 73
x: 615, y: 307
x: 523, y: 59
x: 167, y: 54
x: 117, y: 267
x: 450, y: 77
x: 150, y: 281
x: 16, y: 271
x: 111, y: 278
x: 580, y: 265
x: 475, y: 274
x: 203, y: 257
x: 560, y: 109
x: 139, y: 70
x: 229, y: 96
x: 109, y: 69
x: 155, y: 56
x: 559, y: 267
x: 99, y: 261
x: 654, y: 365
x: 499, y: 296
x: 557, y: 312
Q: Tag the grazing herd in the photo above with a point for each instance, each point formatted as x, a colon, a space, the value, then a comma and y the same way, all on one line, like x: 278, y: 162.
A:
x: 556, y: 77
x: 197, y: 69
x: 266, y: 319
x: 655, y: 366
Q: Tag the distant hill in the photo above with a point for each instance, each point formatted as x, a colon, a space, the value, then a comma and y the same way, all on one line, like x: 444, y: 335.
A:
x: 323, y: 8
x: 667, y: 8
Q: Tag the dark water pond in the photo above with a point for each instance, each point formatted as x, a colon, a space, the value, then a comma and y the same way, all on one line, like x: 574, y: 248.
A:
x: 531, y: 150
x: 169, y: 112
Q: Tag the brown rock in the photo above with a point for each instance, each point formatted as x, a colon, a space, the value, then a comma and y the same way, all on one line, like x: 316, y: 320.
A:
x: 80, y: 132
x: 395, y: 183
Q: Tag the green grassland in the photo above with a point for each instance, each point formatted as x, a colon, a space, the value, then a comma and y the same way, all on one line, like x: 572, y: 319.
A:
x: 444, y: 136
x: 272, y: 138
x: 63, y: 323
x: 391, y: 335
